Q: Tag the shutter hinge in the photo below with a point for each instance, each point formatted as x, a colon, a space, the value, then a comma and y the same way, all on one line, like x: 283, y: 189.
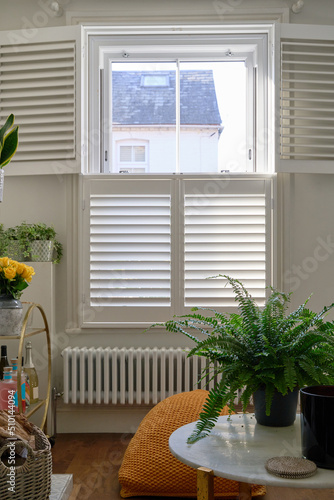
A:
x: 83, y: 204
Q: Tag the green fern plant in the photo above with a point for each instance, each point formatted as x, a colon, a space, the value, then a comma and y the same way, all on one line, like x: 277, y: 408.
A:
x: 258, y: 347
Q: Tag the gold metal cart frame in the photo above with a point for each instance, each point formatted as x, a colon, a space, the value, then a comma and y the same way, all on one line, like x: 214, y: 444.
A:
x: 24, y: 335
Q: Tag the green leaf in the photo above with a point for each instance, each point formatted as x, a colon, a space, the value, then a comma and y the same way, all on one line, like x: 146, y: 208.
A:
x: 8, y: 124
x: 9, y: 147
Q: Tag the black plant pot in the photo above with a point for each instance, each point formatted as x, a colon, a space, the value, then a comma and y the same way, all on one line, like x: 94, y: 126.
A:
x: 317, y: 424
x: 283, y: 408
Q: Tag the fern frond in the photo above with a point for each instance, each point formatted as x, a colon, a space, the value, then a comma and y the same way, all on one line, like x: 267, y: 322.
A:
x: 208, y: 417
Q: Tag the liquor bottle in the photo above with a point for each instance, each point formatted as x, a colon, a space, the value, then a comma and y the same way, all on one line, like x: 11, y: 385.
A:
x: 14, y: 362
x: 3, y: 360
x: 8, y: 390
x: 30, y: 371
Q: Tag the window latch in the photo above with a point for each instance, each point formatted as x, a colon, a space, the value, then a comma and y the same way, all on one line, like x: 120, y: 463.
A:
x: 249, y: 154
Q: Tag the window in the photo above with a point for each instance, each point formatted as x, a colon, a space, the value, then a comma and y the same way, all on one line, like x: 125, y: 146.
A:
x: 200, y: 100
x: 175, y: 195
x: 132, y: 156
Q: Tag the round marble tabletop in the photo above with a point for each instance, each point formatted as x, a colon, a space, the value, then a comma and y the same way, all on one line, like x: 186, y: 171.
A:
x: 238, y: 448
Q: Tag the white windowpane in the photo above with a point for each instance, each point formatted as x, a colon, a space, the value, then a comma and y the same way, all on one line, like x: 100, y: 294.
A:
x: 213, y: 122
x: 139, y: 153
x: 125, y: 153
x: 200, y: 106
x: 144, y: 109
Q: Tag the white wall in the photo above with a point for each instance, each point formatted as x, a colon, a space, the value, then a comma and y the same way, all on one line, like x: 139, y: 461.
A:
x: 305, y: 206
x: 198, y: 149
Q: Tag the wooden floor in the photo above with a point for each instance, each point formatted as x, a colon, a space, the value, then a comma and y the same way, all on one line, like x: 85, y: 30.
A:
x: 94, y: 460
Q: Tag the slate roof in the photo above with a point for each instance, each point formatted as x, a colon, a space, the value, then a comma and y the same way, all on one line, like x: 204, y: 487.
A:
x: 135, y: 104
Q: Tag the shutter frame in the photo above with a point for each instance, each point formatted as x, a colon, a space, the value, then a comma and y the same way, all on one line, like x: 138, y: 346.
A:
x: 299, y: 33
x: 48, y: 113
x: 238, y: 222
x: 93, y: 315
x: 150, y: 198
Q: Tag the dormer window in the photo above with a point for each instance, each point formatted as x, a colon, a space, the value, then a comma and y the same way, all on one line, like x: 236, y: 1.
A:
x: 154, y: 81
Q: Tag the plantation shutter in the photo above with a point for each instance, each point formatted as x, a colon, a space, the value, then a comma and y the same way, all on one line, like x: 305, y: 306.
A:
x: 152, y: 243
x: 39, y: 84
x: 305, y: 98
x: 226, y: 231
x: 128, y: 249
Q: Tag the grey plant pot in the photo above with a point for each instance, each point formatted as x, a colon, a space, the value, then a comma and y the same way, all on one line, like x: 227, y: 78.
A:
x: 283, y: 409
x: 11, y: 315
x: 41, y: 251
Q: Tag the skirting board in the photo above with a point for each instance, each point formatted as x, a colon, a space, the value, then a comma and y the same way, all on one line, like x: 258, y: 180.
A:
x: 99, y: 418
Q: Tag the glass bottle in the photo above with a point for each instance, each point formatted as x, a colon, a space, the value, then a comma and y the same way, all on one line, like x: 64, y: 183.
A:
x: 8, y: 390
x: 14, y: 362
x: 3, y: 360
x: 30, y: 371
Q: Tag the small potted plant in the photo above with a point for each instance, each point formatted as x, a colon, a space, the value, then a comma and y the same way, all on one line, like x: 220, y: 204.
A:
x: 12, y: 244
x: 262, y: 350
x: 8, y: 146
x: 40, y: 243
x: 32, y: 242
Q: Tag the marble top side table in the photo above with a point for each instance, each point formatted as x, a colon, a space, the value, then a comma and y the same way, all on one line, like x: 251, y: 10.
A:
x: 238, y: 449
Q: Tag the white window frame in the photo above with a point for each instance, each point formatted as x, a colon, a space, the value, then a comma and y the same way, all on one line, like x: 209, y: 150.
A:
x: 252, y: 44
x: 262, y: 123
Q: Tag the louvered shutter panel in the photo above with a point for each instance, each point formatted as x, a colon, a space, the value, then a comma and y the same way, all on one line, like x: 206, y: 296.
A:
x: 39, y: 85
x: 129, y: 258
x: 226, y: 232
x: 306, y: 100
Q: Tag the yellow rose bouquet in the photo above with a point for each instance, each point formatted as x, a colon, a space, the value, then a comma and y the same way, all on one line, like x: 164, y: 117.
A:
x: 14, y: 277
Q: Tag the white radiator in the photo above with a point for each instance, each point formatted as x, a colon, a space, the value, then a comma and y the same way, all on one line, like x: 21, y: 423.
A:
x: 131, y: 376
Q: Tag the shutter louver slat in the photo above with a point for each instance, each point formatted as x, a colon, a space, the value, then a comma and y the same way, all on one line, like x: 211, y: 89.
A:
x: 301, y: 109
x: 37, y: 85
x: 232, y: 241
x: 130, y: 250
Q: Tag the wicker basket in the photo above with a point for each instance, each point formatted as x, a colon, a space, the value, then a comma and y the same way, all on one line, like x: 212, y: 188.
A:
x: 32, y: 478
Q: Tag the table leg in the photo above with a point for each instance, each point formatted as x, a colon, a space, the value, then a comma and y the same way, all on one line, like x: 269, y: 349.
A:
x: 204, y: 484
x: 245, y: 491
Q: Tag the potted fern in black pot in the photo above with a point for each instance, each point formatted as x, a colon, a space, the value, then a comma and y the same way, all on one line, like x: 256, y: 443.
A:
x: 264, y: 351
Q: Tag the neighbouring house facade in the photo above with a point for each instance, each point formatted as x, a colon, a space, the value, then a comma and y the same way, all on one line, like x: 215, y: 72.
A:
x: 144, y: 122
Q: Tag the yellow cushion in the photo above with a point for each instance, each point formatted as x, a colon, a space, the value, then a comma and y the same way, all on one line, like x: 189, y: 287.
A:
x: 149, y: 468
